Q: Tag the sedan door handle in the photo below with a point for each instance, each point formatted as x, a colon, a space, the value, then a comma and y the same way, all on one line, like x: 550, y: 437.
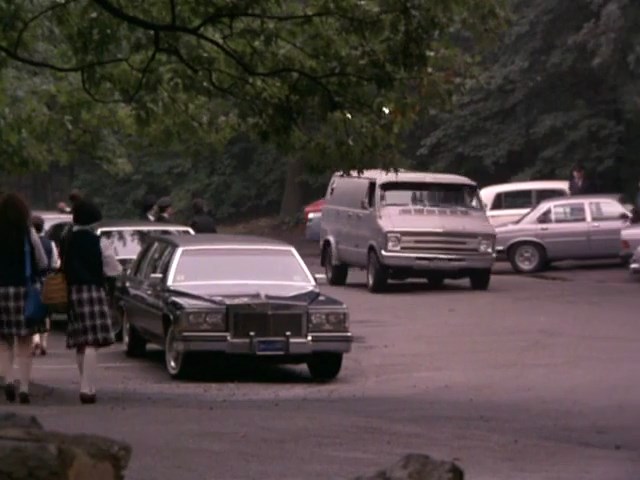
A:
x: 544, y: 229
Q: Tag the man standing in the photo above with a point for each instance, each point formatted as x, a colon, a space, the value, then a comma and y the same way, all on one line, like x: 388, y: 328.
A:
x: 148, y: 207
x: 579, y: 184
x: 164, y: 210
x: 202, y: 221
x: 39, y: 343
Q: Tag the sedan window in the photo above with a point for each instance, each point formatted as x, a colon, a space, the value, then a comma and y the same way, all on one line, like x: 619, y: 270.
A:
x: 239, y: 265
x: 601, y: 211
x: 513, y: 200
x: 569, y: 213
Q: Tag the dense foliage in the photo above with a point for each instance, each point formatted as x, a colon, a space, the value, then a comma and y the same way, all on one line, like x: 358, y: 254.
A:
x: 153, y: 91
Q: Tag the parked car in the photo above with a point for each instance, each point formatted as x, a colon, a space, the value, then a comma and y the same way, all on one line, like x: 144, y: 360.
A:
x: 52, y: 217
x: 127, y: 238
x: 312, y: 218
x: 634, y: 262
x: 571, y: 228
x: 401, y: 225
x: 507, y: 202
x: 629, y: 242
x: 236, y: 295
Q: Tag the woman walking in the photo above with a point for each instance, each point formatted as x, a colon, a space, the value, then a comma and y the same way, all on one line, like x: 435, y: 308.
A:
x: 89, y: 325
x: 20, y: 252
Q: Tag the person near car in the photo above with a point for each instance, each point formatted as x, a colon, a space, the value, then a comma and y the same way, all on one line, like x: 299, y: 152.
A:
x: 165, y: 210
x: 148, y: 210
x: 75, y: 196
x: 89, y: 318
x: 39, y: 345
x: 19, y: 244
x: 202, y: 221
x: 579, y: 184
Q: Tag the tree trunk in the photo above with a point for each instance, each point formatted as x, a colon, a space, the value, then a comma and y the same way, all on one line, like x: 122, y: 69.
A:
x: 292, y: 197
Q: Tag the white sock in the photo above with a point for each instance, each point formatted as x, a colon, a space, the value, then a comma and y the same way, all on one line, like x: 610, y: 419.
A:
x: 89, y: 367
x: 25, y: 360
x: 36, y: 339
x: 6, y: 360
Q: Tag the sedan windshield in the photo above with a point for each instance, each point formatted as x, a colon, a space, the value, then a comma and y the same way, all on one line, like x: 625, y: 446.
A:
x: 240, y: 265
x: 128, y: 243
x: 422, y: 194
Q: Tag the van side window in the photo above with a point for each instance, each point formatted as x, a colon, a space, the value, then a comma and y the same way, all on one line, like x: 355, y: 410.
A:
x: 515, y: 199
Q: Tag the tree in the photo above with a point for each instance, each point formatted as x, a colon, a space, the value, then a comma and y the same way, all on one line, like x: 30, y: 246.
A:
x: 334, y: 81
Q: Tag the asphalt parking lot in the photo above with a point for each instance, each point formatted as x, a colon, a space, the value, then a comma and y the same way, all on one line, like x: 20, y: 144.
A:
x: 534, y: 379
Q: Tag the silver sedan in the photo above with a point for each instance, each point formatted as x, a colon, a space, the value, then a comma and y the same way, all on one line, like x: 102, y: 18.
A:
x: 630, y: 241
x: 572, y: 228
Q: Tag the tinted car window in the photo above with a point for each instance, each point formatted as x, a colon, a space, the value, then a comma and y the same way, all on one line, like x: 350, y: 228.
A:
x: 152, y: 265
x: 128, y: 243
x: 569, y: 212
x: 513, y: 200
x: 605, y: 211
x: 141, y: 260
x: 246, y: 265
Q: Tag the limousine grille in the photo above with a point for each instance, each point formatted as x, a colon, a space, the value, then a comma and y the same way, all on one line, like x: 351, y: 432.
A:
x: 439, y: 243
x: 265, y: 324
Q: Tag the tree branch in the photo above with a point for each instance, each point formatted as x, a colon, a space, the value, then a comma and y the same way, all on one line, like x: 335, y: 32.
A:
x: 58, y: 68
x: 35, y: 18
x: 172, y: 6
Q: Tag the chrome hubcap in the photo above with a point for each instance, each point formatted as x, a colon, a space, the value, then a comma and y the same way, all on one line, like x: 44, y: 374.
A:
x: 527, y: 257
x: 173, y: 357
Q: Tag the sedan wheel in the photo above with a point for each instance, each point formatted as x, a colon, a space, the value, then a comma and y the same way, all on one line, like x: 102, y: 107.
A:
x: 133, y: 343
x: 324, y: 366
x: 527, y: 258
x: 175, y: 362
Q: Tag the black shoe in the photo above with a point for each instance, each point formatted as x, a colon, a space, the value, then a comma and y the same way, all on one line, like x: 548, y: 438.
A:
x: 10, y: 392
x: 24, y: 398
x: 87, y: 398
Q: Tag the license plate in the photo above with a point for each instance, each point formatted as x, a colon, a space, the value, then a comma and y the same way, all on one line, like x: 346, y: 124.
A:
x: 271, y: 346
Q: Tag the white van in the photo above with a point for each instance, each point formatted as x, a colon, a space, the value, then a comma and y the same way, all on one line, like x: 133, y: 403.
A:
x: 405, y: 225
x: 507, y: 202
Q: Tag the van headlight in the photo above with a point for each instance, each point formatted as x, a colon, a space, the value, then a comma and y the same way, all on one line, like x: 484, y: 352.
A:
x: 214, y: 321
x: 328, y: 322
x: 486, y: 245
x: 394, y: 241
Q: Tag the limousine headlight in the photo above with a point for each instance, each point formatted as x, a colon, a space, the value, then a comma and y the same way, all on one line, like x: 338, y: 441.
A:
x: 394, y: 241
x: 487, y: 245
x: 203, y: 321
x: 328, y: 322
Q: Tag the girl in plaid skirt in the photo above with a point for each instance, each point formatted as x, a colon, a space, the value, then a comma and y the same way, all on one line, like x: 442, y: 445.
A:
x: 89, y: 326
x: 15, y: 332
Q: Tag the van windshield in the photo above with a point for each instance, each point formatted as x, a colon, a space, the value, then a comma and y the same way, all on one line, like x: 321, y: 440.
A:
x: 422, y: 194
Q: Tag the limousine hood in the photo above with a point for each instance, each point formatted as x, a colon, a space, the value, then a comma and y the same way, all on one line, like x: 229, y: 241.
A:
x: 453, y: 220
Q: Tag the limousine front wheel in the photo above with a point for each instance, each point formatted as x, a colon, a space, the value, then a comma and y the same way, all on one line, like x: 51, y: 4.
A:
x: 177, y: 363
x: 336, y: 274
x: 324, y: 366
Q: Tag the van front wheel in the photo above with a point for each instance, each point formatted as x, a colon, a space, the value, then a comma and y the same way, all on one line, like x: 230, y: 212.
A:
x: 376, y: 274
x: 336, y: 274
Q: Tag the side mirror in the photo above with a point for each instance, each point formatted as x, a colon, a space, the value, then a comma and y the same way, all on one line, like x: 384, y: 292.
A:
x: 155, y: 279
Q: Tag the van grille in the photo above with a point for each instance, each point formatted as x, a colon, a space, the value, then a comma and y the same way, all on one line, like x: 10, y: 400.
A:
x: 434, y: 243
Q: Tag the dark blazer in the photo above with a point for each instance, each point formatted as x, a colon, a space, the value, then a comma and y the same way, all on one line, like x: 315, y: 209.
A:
x: 203, y: 223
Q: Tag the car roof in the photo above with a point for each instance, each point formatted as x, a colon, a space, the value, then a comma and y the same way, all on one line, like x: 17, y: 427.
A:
x: 401, y: 175
x: 532, y: 184
x: 217, y: 239
x: 594, y: 196
x: 142, y: 224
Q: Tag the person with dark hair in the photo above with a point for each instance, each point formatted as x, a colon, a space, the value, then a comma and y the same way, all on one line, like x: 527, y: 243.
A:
x: 202, y: 221
x: 579, y: 184
x: 89, y: 317
x: 164, y: 208
x: 20, y: 250
x: 39, y: 345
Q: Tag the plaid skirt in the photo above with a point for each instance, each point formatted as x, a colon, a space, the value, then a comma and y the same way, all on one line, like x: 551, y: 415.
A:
x: 89, y: 318
x: 12, y: 321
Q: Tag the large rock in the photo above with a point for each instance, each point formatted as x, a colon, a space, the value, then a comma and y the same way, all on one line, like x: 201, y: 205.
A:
x: 563, y: 86
x: 415, y: 466
x: 28, y: 452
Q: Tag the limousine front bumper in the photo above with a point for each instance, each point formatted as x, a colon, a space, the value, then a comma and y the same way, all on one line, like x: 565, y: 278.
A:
x: 289, y: 346
x: 437, y: 262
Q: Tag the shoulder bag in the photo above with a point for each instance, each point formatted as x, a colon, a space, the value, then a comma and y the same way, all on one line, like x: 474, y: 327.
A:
x: 35, y: 311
